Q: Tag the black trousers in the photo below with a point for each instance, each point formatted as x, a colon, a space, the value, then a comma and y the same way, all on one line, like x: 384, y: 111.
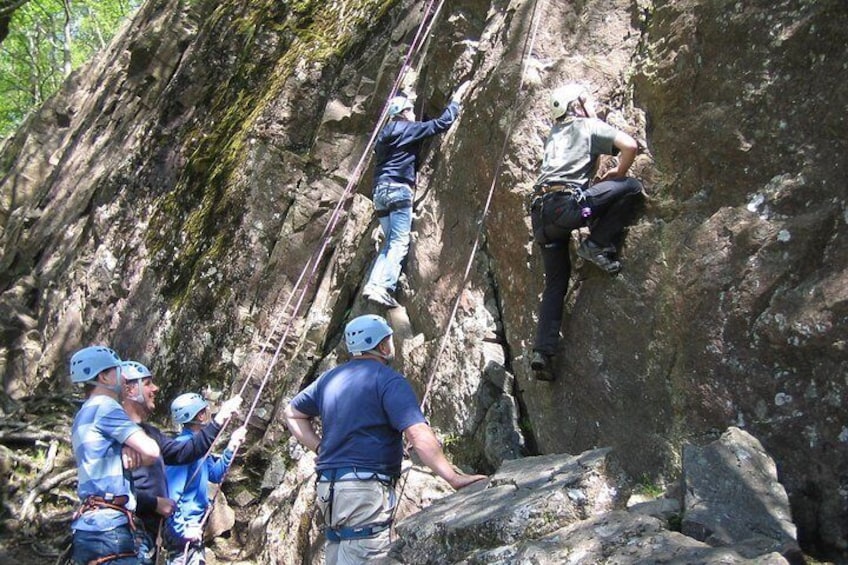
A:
x: 553, y: 217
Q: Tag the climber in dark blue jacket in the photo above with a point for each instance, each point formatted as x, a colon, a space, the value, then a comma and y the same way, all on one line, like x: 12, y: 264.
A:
x: 149, y: 482
x: 396, y: 163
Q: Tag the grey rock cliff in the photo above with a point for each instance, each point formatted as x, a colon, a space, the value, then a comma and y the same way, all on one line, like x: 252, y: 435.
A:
x: 167, y: 200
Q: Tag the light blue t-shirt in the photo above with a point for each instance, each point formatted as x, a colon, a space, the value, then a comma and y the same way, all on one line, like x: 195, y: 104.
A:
x: 364, y: 407
x: 100, y: 429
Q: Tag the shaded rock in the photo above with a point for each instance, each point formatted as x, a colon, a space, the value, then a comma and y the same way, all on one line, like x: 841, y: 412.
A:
x: 526, y: 498
x: 733, y: 498
x: 615, y: 538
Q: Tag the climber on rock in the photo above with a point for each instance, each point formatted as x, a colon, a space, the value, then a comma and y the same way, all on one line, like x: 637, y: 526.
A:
x: 396, y: 163
x: 565, y: 199
x: 366, y: 408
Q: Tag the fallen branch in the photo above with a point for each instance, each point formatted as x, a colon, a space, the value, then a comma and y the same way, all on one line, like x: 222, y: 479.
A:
x: 54, y: 481
x: 31, y: 437
x: 11, y: 455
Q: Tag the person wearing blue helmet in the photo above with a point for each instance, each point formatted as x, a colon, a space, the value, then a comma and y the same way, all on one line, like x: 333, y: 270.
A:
x: 395, y: 165
x: 102, y: 526
x: 188, y: 484
x: 149, y: 481
x: 365, y: 408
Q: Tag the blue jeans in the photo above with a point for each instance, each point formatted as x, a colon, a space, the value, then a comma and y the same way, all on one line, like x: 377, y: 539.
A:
x: 89, y: 546
x: 393, y: 204
x: 146, y: 543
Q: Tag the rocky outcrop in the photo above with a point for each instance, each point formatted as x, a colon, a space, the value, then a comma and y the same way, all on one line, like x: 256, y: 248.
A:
x: 569, y: 509
x: 169, y: 199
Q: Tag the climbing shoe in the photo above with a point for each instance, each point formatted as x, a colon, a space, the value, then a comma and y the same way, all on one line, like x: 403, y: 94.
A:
x: 380, y: 296
x: 598, y: 255
x: 541, y: 365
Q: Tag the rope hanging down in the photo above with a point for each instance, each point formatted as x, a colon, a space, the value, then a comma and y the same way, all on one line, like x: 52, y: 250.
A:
x: 527, y: 52
x: 310, y: 269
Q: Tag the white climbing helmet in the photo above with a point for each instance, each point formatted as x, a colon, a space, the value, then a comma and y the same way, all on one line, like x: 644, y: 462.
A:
x: 398, y: 104
x: 186, y: 406
x: 135, y: 371
x: 365, y: 333
x: 89, y: 362
x: 565, y: 95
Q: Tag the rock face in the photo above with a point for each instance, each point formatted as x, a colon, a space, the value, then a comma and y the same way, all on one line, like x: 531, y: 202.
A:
x: 568, y: 509
x: 732, y: 496
x: 173, y: 200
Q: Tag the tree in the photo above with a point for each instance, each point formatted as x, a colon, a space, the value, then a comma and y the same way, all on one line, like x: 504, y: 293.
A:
x: 46, y: 40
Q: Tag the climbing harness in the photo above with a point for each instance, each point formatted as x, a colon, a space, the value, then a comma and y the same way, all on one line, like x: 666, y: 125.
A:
x: 343, y: 474
x: 108, y: 502
x: 576, y: 191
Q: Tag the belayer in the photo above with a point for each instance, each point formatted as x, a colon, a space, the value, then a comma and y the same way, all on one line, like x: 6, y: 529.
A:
x: 565, y: 199
x: 365, y: 408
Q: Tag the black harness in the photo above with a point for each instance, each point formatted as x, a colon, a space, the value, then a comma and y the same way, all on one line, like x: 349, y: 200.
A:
x: 332, y: 476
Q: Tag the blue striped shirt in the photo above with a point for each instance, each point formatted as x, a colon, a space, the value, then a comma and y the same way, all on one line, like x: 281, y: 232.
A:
x: 100, y: 429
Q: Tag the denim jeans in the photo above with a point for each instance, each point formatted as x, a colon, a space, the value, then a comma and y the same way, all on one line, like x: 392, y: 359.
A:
x: 89, y: 546
x: 146, y: 543
x: 396, y: 221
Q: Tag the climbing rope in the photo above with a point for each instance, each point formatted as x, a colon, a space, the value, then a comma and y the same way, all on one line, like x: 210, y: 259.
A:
x: 310, y: 269
x: 527, y: 52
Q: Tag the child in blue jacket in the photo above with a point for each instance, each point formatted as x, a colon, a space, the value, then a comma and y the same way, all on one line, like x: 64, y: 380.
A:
x: 189, y: 484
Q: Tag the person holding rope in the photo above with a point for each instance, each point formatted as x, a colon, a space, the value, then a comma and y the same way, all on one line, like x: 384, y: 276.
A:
x: 366, y: 408
x: 149, y: 482
x: 396, y: 163
x: 188, y: 484
x: 564, y: 200
x: 103, y: 528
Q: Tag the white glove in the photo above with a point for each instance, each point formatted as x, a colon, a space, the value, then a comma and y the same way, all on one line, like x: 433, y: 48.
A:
x: 460, y: 92
x: 237, y: 438
x: 228, y: 408
x: 193, y: 532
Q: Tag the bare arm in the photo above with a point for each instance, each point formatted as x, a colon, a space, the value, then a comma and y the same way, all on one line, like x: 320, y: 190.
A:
x: 424, y: 441
x: 145, y: 446
x: 627, y: 146
x: 300, y: 425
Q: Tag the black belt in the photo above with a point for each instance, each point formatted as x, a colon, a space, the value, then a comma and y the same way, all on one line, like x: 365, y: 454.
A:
x: 398, y: 205
x: 571, y: 188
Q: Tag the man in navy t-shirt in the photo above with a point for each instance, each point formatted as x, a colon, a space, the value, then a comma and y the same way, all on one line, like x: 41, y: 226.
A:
x: 366, y: 408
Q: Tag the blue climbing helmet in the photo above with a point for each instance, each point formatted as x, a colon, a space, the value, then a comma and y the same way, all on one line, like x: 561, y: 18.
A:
x: 89, y: 362
x: 135, y: 371
x: 398, y: 104
x: 365, y: 333
x: 186, y: 406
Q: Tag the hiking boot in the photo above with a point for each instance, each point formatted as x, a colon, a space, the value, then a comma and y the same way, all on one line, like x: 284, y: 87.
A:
x: 540, y: 361
x: 597, y: 255
x: 541, y: 365
x: 380, y: 296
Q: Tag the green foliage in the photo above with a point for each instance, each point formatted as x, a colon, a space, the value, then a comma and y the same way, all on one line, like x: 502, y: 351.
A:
x: 648, y: 487
x: 47, y: 40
